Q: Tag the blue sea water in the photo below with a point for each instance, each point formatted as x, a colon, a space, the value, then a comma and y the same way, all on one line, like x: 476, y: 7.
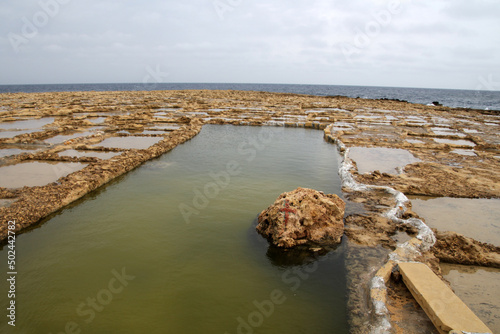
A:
x: 476, y: 99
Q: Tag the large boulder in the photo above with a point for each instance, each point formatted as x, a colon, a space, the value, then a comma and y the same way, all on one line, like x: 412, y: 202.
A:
x: 303, y: 216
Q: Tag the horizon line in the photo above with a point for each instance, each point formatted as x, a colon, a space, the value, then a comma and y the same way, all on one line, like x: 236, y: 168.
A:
x: 234, y: 83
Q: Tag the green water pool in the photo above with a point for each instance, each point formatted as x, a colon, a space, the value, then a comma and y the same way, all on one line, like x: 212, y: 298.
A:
x: 171, y: 247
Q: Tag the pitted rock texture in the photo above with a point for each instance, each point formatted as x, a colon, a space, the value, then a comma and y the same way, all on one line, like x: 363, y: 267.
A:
x: 452, y: 247
x: 303, y: 216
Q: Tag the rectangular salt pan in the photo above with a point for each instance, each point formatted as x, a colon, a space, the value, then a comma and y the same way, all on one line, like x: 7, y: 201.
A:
x: 91, y: 154
x: 457, y: 142
x: 166, y: 127
x: 35, y: 173
x: 414, y: 141
x: 12, y: 134
x: 28, y: 124
x: 97, y: 120
x: 383, y: 159
x: 469, y: 153
x: 62, y: 138
x: 130, y: 142
x: 479, y: 288
x: 475, y: 218
x: 13, y: 151
x: 447, y: 132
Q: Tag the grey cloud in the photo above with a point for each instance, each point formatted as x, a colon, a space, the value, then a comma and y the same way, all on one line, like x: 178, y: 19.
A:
x: 254, y: 41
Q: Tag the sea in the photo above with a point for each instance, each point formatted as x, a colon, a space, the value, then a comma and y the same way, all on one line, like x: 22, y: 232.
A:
x: 471, y: 99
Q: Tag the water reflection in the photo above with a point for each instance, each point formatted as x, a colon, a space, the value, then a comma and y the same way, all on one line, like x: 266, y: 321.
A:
x: 196, y: 277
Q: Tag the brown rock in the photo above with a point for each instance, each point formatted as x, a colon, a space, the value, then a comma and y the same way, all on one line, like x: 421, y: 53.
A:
x: 452, y: 247
x: 303, y: 216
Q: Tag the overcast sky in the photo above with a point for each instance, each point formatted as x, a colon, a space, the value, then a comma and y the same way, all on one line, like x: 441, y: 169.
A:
x: 419, y: 43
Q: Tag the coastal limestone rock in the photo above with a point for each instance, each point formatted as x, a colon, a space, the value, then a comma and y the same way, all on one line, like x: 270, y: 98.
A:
x: 303, y: 216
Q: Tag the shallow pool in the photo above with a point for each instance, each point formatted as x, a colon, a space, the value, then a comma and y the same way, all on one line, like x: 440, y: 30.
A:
x: 458, y: 142
x: 12, y: 134
x: 36, y: 173
x: 90, y: 154
x: 479, y: 288
x: 27, y: 124
x: 130, y: 142
x: 6, y: 152
x: 63, y: 138
x: 476, y: 218
x: 172, y: 248
x: 383, y: 159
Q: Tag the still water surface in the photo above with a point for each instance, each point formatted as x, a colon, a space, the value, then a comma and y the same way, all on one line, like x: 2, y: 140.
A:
x: 125, y: 259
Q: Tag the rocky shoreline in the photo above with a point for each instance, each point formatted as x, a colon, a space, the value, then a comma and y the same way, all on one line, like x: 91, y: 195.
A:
x: 458, y: 152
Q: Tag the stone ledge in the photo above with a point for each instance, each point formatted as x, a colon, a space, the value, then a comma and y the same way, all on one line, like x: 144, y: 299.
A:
x: 446, y: 311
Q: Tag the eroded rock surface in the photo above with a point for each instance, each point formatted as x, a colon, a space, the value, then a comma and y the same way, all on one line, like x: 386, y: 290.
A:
x: 458, y: 149
x: 303, y: 216
x: 452, y: 247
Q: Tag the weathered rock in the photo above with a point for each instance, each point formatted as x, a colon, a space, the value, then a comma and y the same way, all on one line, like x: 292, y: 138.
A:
x: 452, y: 247
x: 303, y: 216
